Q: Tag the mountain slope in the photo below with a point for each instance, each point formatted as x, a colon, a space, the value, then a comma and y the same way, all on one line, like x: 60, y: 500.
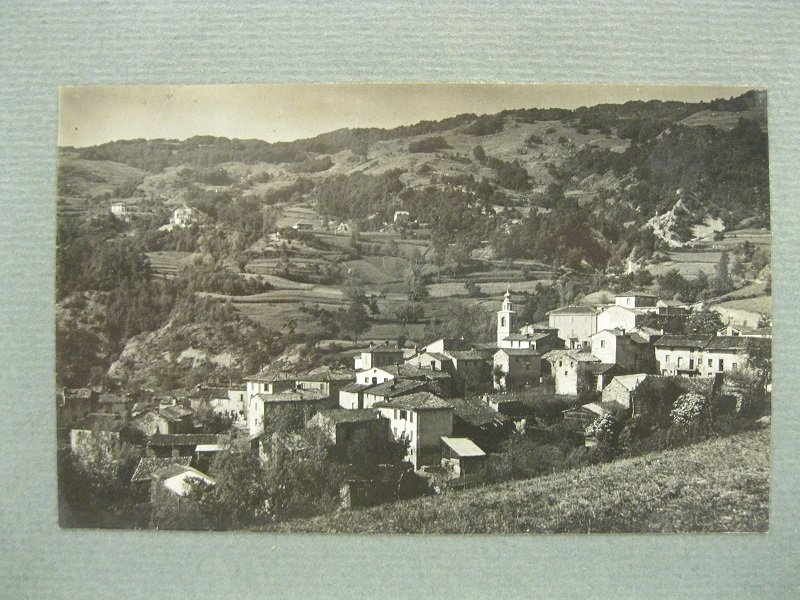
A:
x: 718, y: 485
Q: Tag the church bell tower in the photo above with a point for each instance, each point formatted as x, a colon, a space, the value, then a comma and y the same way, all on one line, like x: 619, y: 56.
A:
x: 505, y: 318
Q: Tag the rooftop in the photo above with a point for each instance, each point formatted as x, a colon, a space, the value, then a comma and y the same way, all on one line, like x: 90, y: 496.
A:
x: 468, y: 354
x: 573, y: 310
x: 518, y: 351
x: 295, y: 395
x: 463, y: 446
x: 181, y: 484
x: 183, y: 439
x: 384, y: 348
x: 599, y: 368
x: 526, y: 337
x: 176, y: 412
x: 416, y: 401
x: 727, y: 342
x: 576, y: 355
x: 630, y: 382
x: 474, y: 411
x: 636, y: 294
x: 326, y: 373
x: 344, y: 415
x: 273, y: 373
x: 396, y: 387
x: 149, y: 466
x: 683, y: 341
x: 357, y: 387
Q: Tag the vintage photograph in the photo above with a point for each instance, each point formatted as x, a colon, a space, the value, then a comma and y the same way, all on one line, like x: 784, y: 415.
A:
x: 414, y: 308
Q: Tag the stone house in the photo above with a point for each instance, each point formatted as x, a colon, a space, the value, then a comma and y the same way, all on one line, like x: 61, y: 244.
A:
x: 622, y: 388
x: 175, y: 419
x: 569, y: 368
x: 380, y: 355
x: 422, y: 419
x: 184, y: 444
x: 352, y: 433
x: 325, y: 379
x: 115, y: 403
x: 514, y: 368
x: 73, y: 405
x: 262, y: 407
x: 632, y: 352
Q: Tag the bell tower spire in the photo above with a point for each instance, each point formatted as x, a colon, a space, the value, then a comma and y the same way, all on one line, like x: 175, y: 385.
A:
x: 505, y: 319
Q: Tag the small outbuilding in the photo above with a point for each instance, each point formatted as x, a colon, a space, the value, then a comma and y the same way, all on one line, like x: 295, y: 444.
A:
x: 460, y: 454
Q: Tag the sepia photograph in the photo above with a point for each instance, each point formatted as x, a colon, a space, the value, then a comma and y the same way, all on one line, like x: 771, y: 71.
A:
x: 413, y: 308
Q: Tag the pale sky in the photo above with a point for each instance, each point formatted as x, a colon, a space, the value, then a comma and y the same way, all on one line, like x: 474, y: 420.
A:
x: 90, y: 115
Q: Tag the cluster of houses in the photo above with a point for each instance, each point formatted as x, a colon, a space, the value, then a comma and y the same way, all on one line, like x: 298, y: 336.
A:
x: 445, y: 401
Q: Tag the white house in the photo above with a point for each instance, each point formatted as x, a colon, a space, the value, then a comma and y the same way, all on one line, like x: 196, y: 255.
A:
x: 516, y: 367
x: 568, y: 368
x: 379, y: 355
x: 635, y: 299
x: 421, y: 418
x: 575, y: 324
x: 680, y: 354
x: 724, y: 354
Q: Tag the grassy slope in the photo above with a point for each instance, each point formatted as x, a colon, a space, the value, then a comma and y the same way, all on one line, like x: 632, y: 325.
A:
x: 719, y: 485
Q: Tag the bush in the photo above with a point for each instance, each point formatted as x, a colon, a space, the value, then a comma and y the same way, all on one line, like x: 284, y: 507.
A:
x: 690, y: 409
x: 431, y: 144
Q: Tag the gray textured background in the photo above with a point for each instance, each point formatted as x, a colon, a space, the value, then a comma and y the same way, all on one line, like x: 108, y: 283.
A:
x: 47, y: 44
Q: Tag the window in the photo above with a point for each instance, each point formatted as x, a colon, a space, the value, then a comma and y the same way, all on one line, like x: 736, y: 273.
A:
x: 733, y: 367
x: 602, y: 343
x: 566, y: 373
x: 710, y: 362
x: 411, y: 417
x: 502, y: 321
x: 403, y: 415
x: 680, y: 361
x: 721, y: 365
x: 666, y: 358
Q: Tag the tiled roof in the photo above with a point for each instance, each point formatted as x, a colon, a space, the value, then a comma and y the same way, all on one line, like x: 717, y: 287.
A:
x: 451, y: 344
x: 297, y: 395
x: 149, y: 466
x: 618, y: 331
x: 417, y: 401
x: 468, y: 354
x: 573, y: 310
x: 474, y: 411
x: 176, y: 412
x: 344, y: 415
x: 183, y: 439
x: 600, y: 368
x: 384, y: 348
x: 357, y: 387
x: 683, y: 341
x: 727, y: 342
x: 396, y: 387
x: 632, y: 293
x: 630, y: 382
x: 518, y: 351
x: 526, y: 337
x: 274, y: 373
x: 326, y: 373
x: 438, y: 356
x: 577, y: 355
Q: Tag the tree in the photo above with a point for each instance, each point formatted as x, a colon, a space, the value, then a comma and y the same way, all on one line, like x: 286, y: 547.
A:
x: 704, y: 322
x: 355, y: 318
x: 759, y: 359
x: 479, y: 153
x: 409, y: 312
x: 722, y: 278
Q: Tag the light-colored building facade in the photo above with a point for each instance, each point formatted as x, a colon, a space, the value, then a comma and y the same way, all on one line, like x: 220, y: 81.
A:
x: 575, y: 325
x: 568, y: 368
x: 422, y: 419
x: 680, y: 354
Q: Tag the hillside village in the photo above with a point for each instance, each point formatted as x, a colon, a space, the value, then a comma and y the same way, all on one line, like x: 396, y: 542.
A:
x: 445, y: 406
x: 252, y: 333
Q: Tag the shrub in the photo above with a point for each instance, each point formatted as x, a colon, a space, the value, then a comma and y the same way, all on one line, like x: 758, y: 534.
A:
x: 691, y: 408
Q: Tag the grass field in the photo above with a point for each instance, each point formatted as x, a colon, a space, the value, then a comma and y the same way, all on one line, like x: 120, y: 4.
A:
x: 720, y: 485
x: 166, y: 263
